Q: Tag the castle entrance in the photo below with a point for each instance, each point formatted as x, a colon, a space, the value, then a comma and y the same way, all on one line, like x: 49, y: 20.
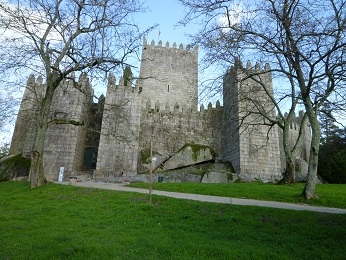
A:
x: 90, y: 158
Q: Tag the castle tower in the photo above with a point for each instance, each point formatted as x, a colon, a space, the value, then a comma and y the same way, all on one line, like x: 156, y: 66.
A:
x: 169, y: 74
x: 23, y: 135
x: 64, y: 143
x: 118, y: 147
x: 250, y: 144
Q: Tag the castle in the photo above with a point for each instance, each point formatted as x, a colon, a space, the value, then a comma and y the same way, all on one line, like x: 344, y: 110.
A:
x: 161, y: 107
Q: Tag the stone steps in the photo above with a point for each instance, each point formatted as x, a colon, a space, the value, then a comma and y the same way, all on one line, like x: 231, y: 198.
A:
x: 85, y: 175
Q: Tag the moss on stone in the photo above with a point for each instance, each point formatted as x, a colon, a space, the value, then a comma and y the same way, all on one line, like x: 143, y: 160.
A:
x: 230, y: 168
x: 14, y: 166
x: 196, y: 149
x: 200, y: 172
x: 145, y: 155
x: 229, y: 176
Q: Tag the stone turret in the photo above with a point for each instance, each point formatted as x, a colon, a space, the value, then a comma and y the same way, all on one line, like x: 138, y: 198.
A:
x: 23, y: 135
x: 251, y: 145
x: 64, y: 143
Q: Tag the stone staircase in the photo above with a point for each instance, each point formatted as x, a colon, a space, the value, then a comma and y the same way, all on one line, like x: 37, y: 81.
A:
x: 85, y: 175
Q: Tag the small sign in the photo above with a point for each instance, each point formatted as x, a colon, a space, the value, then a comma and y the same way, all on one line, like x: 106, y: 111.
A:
x: 61, y: 174
x: 153, y: 159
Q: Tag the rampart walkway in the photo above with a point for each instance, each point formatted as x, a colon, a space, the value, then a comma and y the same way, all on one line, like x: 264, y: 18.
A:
x: 207, y: 198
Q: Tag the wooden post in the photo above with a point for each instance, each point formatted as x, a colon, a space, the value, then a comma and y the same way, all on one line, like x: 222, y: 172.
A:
x: 151, y: 171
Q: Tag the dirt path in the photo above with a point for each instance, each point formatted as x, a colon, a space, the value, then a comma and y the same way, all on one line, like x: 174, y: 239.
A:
x: 207, y: 198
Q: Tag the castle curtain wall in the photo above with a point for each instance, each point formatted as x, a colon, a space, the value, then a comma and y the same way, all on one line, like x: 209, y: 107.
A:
x: 171, y: 128
x: 118, y: 147
x: 161, y: 106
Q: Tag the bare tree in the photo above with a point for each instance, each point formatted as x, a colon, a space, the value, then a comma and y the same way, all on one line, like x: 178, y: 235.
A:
x: 302, y: 40
x: 55, y: 38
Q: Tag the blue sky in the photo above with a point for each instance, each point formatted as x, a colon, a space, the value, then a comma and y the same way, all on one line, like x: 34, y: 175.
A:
x: 166, y: 14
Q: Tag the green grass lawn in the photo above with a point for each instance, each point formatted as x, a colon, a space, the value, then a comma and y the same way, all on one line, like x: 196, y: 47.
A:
x: 330, y: 195
x: 69, y: 222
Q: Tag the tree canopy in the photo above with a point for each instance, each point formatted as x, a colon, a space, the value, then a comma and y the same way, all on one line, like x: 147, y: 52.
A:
x: 332, y: 156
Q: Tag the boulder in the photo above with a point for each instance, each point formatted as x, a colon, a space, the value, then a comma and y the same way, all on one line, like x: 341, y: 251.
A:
x: 215, y: 177
x: 190, y: 154
x: 301, y: 170
x: 14, y: 166
x: 144, y: 160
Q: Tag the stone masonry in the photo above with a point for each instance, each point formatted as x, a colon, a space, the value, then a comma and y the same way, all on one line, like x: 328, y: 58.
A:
x: 161, y: 106
x: 64, y: 143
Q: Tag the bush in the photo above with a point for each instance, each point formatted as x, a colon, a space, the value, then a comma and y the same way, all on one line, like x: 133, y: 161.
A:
x: 332, y: 163
x: 332, y: 168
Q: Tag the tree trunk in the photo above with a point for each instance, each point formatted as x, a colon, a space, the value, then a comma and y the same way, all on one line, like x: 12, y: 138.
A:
x: 290, y: 172
x: 309, y: 189
x: 289, y: 176
x: 37, y: 175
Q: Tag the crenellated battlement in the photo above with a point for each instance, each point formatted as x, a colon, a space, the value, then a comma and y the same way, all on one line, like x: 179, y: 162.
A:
x: 119, y: 88
x: 210, y: 107
x: 37, y: 85
x: 238, y: 65
x: 174, y: 47
x: 244, y: 74
x: 296, y: 121
x: 159, y: 107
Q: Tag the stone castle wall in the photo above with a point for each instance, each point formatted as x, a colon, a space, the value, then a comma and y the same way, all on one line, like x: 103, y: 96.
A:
x: 64, y: 143
x: 133, y: 114
x: 161, y: 106
x: 23, y: 135
x: 171, y: 128
x: 303, y: 150
x: 118, y: 147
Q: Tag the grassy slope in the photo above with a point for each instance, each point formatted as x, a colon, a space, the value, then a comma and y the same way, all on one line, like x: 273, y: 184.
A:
x: 330, y: 195
x: 68, y: 222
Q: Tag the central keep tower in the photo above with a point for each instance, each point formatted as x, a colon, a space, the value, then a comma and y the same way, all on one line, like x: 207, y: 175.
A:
x: 168, y: 79
x: 168, y: 75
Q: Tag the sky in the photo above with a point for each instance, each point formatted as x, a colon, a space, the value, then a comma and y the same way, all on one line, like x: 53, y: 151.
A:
x: 166, y: 13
